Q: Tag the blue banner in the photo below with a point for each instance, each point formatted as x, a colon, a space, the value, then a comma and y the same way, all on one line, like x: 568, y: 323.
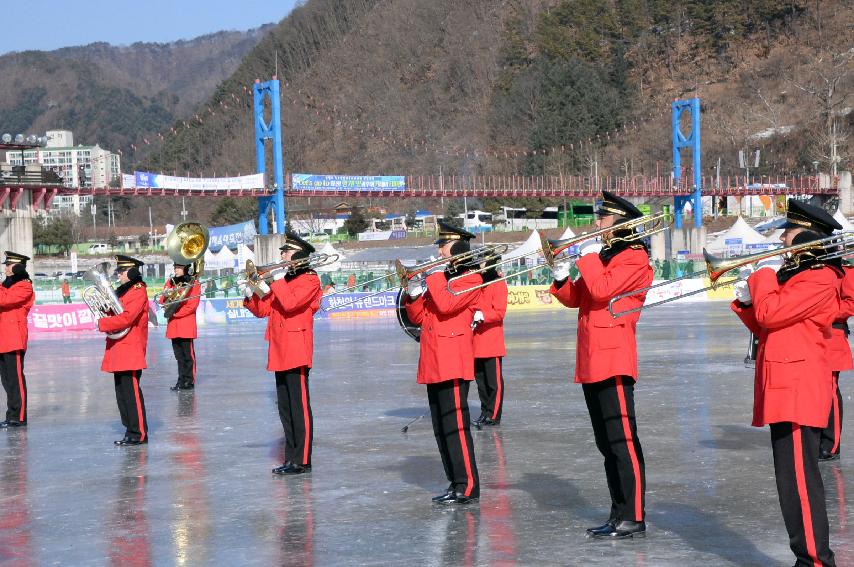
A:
x: 311, y: 182
x: 359, y: 301
x: 232, y: 236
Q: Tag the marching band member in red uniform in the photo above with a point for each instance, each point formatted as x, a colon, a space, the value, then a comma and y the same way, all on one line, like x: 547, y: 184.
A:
x: 606, y: 361
x: 489, y: 347
x: 289, y: 304
x: 839, y: 358
x: 182, y: 327
x: 125, y: 357
x: 16, y: 300
x: 446, y: 362
x: 791, y: 312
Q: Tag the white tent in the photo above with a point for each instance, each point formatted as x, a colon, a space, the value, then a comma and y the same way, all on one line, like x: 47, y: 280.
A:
x: 566, y: 234
x: 225, y: 259
x: 243, y: 254
x: 334, y: 266
x: 840, y: 218
x: 774, y: 236
x: 736, y: 239
x: 527, y: 248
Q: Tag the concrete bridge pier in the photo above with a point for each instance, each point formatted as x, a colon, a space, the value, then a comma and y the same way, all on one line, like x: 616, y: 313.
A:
x: 692, y: 239
x: 16, y: 225
x: 267, y: 248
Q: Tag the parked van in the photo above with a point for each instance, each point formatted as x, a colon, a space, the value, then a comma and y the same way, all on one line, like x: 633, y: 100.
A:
x: 99, y: 248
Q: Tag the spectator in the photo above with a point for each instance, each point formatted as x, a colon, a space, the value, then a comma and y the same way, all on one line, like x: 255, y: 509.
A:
x: 351, y: 282
x: 66, y: 292
x: 210, y: 292
x: 329, y: 288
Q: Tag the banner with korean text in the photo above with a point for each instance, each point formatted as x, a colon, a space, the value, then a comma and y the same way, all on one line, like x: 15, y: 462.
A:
x: 148, y: 180
x: 312, y: 182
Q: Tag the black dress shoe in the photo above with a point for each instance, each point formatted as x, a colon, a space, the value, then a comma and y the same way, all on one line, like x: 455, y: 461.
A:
x: 292, y: 468
x: 175, y: 388
x: 827, y: 456
x: 128, y: 441
x: 186, y: 387
x: 622, y: 530
x: 451, y: 498
x: 443, y: 495
x: 12, y: 423
x: 490, y: 421
x: 604, y: 528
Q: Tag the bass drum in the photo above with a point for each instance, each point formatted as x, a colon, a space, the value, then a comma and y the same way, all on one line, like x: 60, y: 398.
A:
x: 410, y: 328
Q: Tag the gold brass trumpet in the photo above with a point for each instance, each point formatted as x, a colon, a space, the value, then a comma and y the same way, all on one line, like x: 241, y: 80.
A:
x: 716, y: 267
x: 551, y: 248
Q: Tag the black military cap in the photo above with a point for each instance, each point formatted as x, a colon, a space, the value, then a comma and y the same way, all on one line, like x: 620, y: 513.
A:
x: 294, y: 242
x: 450, y: 233
x: 15, y: 258
x: 126, y: 262
x: 614, y: 205
x: 801, y: 215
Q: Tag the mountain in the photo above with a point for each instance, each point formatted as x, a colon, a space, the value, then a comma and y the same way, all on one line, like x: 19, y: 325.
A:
x: 534, y: 86
x: 112, y: 95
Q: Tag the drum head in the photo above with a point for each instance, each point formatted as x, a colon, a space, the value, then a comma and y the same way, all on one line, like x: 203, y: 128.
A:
x: 408, y: 326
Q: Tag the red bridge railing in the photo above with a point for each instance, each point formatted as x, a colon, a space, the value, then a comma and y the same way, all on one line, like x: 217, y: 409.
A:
x: 426, y: 186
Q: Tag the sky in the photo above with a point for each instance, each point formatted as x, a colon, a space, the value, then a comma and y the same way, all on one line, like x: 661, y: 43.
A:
x: 51, y: 24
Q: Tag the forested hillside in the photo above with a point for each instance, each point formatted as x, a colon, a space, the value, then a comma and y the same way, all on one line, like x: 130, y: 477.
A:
x: 476, y: 87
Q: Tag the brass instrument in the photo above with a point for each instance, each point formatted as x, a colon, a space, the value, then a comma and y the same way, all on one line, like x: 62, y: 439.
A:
x: 552, y: 248
x: 254, y: 275
x: 399, y: 278
x: 100, y: 296
x: 716, y: 267
x: 186, y: 245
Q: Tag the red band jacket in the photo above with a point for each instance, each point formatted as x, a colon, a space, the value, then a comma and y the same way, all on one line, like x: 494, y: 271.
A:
x: 838, y: 349
x: 128, y: 352
x: 447, y: 349
x: 15, y: 303
x: 489, y: 333
x: 289, y: 307
x: 606, y: 346
x: 793, y: 381
x: 182, y: 325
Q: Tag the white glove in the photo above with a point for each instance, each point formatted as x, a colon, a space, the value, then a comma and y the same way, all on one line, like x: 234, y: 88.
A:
x: 742, y: 292
x: 265, y: 289
x: 591, y: 246
x: 477, y: 318
x: 774, y: 262
x: 745, y: 271
x: 561, y: 270
x: 279, y: 274
x: 414, y: 288
x: 247, y: 291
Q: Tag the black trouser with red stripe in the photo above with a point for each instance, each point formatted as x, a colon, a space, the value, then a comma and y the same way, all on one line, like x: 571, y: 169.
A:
x: 131, y: 404
x: 831, y: 436
x: 185, y: 354
x: 488, y: 372
x: 449, y: 410
x: 295, y: 413
x: 611, y: 404
x: 801, y: 492
x: 15, y: 384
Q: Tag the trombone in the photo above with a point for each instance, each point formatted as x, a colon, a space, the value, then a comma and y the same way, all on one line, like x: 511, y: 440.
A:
x: 254, y: 275
x: 552, y: 248
x: 716, y: 267
x: 404, y: 274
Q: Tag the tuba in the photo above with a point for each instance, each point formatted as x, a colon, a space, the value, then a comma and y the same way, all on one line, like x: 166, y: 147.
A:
x: 101, y: 298
x: 186, y: 245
